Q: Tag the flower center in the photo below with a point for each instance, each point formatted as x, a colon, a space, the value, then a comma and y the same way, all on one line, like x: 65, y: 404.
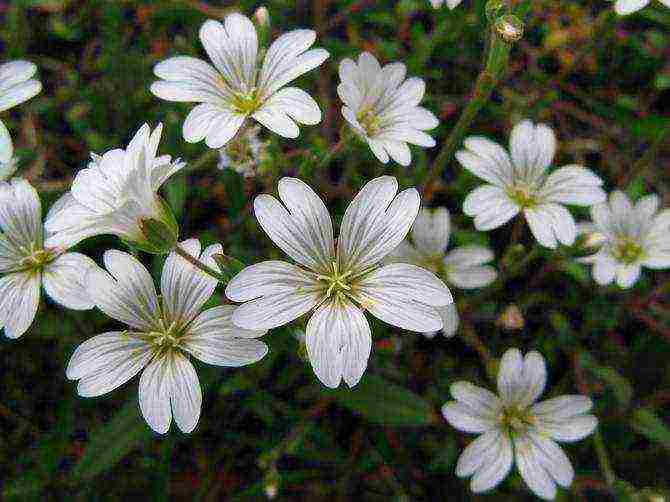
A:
x: 369, y: 121
x: 336, y: 281
x: 167, y: 338
x: 246, y: 103
x: 37, y: 258
x: 515, y: 419
x: 626, y: 250
x: 523, y: 195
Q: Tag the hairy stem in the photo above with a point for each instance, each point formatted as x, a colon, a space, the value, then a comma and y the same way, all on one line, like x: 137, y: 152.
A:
x: 198, y: 264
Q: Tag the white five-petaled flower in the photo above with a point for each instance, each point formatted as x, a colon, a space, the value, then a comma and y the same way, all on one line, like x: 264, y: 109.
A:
x: 452, y: 4
x: 513, y: 426
x: 521, y: 183
x: 161, y: 334
x: 115, y: 193
x: 464, y: 267
x: 338, y: 282
x: 629, y: 237
x: 238, y: 86
x: 17, y: 84
x: 382, y: 107
x: 26, y: 264
x: 625, y: 7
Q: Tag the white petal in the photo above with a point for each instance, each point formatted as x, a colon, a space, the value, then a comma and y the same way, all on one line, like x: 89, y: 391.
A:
x: 19, y: 299
x: 64, y: 280
x: 625, y: 7
x: 275, y: 118
x: 15, y: 72
x: 553, y: 459
x: 496, y: 468
x: 510, y: 375
x: 269, y: 278
x: 541, y: 223
x: 468, y: 256
x: 185, y: 393
x: 103, y: 187
x: 449, y: 315
x: 129, y: 296
x: 490, y: 206
x: 297, y: 104
x: 211, y: 121
x: 482, y: 402
x: 486, y: 160
x: 532, y: 146
x: 188, y: 78
x: 21, y: 213
x: 431, y: 230
x: 225, y: 127
x: 473, y: 277
x: 647, y: 206
x: 465, y: 419
x: 186, y: 288
x: 338, y: 343
x: 19, y: 93
x: 378, y: 150
x: 275, y: 310
x: 6, y: 151
x: 304, y: 231
x: 187, y: 92
x: 604, y: 268
x: 561, y: 407
x: 154, y: 394
x: 398, y: 151
x: 568, y: 429
x: 627, y: 275
x: 574, y: 185
x: 532, y: 470
x: 375, y: 223
x: 620, y: 204
x: 105, y: 362
x: 214, y: 339
x: 533, y: 378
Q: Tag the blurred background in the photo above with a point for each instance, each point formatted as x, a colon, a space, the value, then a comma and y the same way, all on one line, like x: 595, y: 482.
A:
x: 271, y: 430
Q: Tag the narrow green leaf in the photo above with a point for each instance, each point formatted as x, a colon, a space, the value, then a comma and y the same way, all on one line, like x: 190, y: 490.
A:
x: 646, y: 422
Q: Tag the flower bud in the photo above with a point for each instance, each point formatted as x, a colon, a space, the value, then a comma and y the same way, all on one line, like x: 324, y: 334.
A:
x: 511, y: 318
x: 160, y: 236
x: 509, y: 27
x: 262, y: 17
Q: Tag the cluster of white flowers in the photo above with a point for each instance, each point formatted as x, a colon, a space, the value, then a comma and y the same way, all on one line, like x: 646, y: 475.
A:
x: 372, y: 266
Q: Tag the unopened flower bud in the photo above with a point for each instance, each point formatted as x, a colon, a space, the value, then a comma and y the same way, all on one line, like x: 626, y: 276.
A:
x: 262, y: 16
x: 160, y: 236
x: 511, y: 318
x: 509, y: 27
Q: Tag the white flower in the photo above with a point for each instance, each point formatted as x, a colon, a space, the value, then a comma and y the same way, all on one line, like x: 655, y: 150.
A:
x: 625, y: 7
x: 338, y: 282
x: 514, y: 427
x: 17, y: 84
x: 463, y: 267
x: 630, y: 237
x: 521, y: 183
x: 382, y: 107
x: 238, y: 86
x: 27, y: 264
x: 116, y: 193
x: 7, y: 160
x: 452, y: 4
x: 161, y: 335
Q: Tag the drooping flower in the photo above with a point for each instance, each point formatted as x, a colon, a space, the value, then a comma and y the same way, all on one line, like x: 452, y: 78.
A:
x: 27, y: 264
x: 629, y: 237
x: 161, y: 335
x: 521, y: 183
x: 337, y: 283
x: 238, y: 86
x: 117, y: 194
x: 452, y: 4
x: 17, y: 84
x: 382, y: 107
x: 625, y: 7
x: 7, y: 160
x: 464, y: 267
x: 514, y: 427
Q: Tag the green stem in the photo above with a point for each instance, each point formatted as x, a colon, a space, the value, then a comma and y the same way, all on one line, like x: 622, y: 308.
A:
x: 198, y: 264
x: 334, y: 151
x: 496, y: 63
x: 645, y: 161
x: 603, y: 459
x: 202, y: 160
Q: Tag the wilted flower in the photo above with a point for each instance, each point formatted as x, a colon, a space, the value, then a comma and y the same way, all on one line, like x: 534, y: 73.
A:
x: 514, y: 427
x: 632, y: 237
x: 7, y: 160
x: 237, y: 86
x: 17, y: 84
x: 625, y: 7
x: 463, y: 267
x: 118, y: 194
x: 244, y: 153
x: 338, y: 282
x: 521, y: 183
x: 161, y: 335
x: 383, y: 108
x: 27, y: 264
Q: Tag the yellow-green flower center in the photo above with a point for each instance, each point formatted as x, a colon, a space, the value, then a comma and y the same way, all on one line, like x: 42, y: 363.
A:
x: 167, y: 338
x: 37, y: 259
x: 336, y: 282
x: 246, y: 103
x: 369, y: 121
x: 515, y: 419
x: 627, y: 251
x: 523, y: 195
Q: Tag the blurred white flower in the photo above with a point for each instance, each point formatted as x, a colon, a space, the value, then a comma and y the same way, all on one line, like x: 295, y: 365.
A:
x: 338, y: 282
x: 452, y: 4
x: 116, y: 193
x: 463, y: 267
x: 161, y: 335
x: 244, y: 153
x: 237, y: 86
x: 625, y: 7
x: 632, y: 237
x: 17, y: 84
x: 26, y: 264
x: 514, y: 427
x: 7, y: 160
x: 521, y: 183
x: 383, y: 108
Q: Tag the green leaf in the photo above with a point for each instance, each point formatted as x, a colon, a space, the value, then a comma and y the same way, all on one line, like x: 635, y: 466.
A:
x: 385, y: 403
x: 620, y: 386
x: 646, y: 422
